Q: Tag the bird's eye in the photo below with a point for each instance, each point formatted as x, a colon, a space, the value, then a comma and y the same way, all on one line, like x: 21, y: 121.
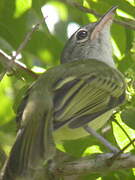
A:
x: 82, y: 34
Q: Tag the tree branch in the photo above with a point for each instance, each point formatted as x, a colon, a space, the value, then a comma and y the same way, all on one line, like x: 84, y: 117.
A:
x: 129, y: 24
x: 64, y: 165
x: 16, y: 67
x: 11, y: 65
x: 98, y: 164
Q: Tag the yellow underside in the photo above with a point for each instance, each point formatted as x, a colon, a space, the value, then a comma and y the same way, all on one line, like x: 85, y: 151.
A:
x: 66, y: 133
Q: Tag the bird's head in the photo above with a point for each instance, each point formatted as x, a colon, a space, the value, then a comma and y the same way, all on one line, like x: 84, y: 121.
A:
x: 91, y: 41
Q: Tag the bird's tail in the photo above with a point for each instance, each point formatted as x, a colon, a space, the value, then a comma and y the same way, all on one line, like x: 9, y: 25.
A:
x: 32, y: 148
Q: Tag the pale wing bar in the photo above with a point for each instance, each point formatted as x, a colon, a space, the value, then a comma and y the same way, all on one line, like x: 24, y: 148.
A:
x: 88, y: 101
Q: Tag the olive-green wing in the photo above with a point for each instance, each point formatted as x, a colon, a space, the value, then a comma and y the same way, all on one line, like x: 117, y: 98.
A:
x: 80, y: 98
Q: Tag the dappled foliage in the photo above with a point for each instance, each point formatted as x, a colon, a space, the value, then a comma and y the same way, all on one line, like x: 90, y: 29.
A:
x: 43, y: 51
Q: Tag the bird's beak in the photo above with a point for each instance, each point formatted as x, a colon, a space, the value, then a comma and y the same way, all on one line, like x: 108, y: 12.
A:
x: 107, y: 17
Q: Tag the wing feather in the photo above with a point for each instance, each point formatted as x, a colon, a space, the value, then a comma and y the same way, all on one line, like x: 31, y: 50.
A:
x: 90, y: 95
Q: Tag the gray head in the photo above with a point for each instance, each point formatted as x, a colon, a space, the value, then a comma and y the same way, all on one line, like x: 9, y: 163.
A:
x: 91, y: 42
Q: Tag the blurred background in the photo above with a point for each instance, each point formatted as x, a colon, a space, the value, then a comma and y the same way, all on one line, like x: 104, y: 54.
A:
x: 62, y: 18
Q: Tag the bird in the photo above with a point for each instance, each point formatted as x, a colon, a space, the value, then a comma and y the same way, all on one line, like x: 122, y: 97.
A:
x: 83, y: 90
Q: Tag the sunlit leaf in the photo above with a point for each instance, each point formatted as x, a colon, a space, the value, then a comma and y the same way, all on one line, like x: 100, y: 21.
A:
x: 21, y: 7
x: 120, y: 136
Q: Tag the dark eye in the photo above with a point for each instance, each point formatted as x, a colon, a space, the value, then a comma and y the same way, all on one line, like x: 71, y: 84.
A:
x: 82, y: 34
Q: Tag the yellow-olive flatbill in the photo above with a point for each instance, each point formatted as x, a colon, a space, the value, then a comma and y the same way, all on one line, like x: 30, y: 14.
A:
x: 83, y: 90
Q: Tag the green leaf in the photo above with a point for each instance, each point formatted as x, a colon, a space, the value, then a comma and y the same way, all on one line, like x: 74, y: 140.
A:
x: 128, y: 117
x: 120, y: 136
x: 6, y: 95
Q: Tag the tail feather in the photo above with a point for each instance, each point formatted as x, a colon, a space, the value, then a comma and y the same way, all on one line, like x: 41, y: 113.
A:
x: 30, y: 151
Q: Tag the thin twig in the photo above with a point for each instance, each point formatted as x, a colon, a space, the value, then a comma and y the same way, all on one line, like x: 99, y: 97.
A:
x: 91, y: 11
x: 10, y: 63
x: 27, y: 38
x: 101, y: 139
x: 84, y: 9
